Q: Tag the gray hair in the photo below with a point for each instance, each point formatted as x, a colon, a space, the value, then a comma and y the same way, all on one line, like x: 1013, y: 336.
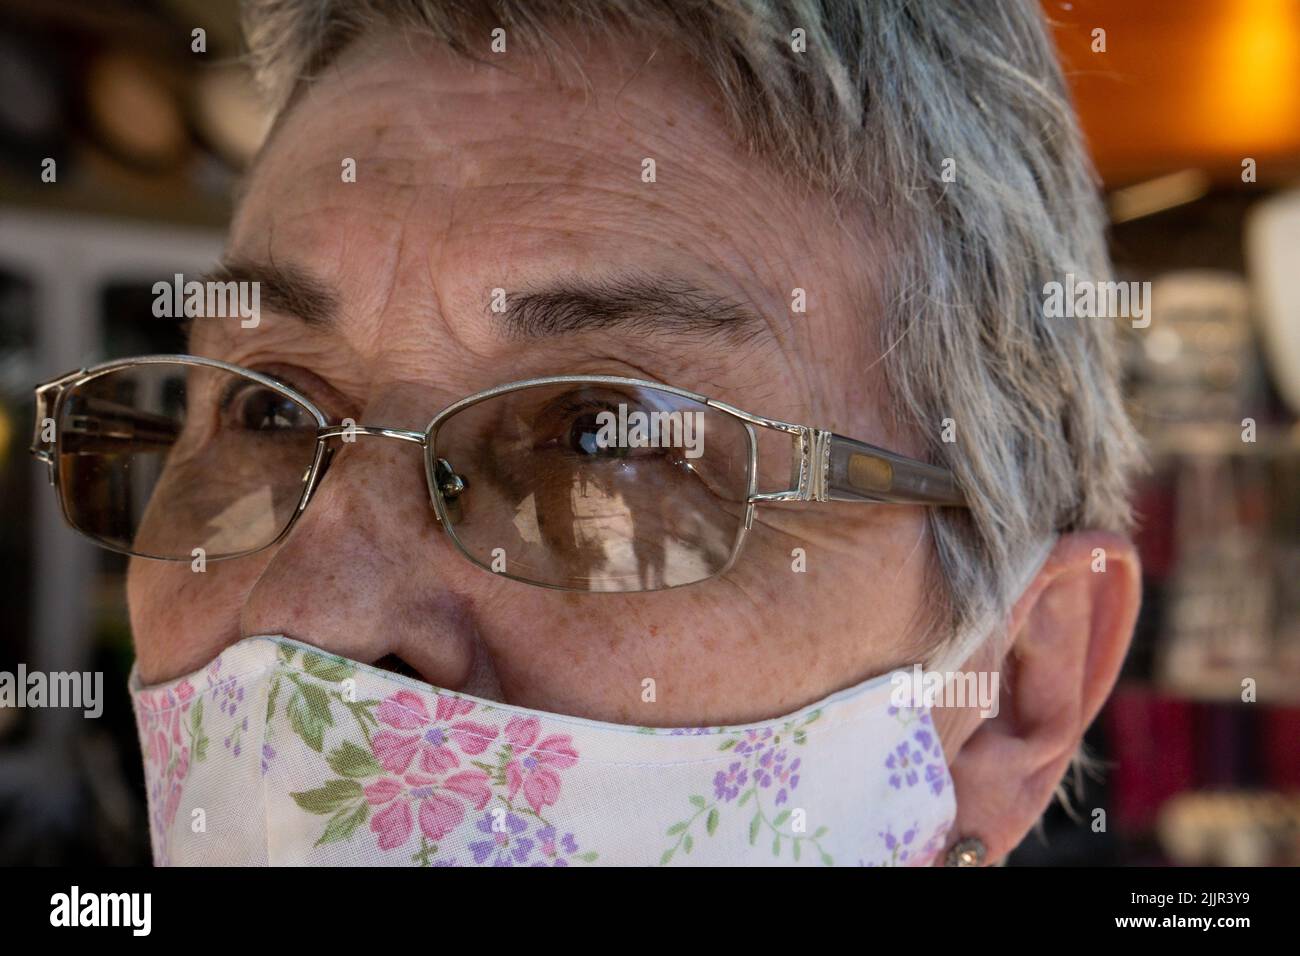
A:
x: 886, y: 91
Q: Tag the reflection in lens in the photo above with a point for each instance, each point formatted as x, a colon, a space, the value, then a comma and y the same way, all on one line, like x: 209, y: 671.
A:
x: 597, y: 487
x: 162, y: 459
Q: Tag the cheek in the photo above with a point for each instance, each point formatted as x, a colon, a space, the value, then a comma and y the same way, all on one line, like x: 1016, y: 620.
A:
x: 590, y: 655
x: 182, y: 619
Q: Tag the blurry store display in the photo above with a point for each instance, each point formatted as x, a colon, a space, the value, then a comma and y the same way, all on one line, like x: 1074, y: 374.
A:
x: 1232, y: 829
x: 72, y: 292
x: 229, y: 114
x: 1219, y: 620
x: 134, y: 113
x: 35, y: 109
x: 1195, y: 363
x: 1273, y: 259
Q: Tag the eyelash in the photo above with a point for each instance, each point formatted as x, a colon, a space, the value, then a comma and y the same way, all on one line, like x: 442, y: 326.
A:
x: 310, y: 386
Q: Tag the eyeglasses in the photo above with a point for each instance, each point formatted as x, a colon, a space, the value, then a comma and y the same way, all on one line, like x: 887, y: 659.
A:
x: 577, y: 482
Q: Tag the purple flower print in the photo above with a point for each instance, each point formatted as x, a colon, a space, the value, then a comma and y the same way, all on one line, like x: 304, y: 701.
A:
x: 919, y: 754
x: 899, y: 847
x: 268, y: 754
x: 908, y: 850
x: 787, y: 777
x: 554, y: 848
x: 935, y: 778
x: 513, y: 846
x: 508, y: 848
x: 727, y: 783
x: 772, y: 768
x: 226, y: 691
x: 753, y: 741
x: 903, y: 763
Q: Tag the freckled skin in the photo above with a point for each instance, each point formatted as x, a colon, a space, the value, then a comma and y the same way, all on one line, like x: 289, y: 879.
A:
x: 471, y: 178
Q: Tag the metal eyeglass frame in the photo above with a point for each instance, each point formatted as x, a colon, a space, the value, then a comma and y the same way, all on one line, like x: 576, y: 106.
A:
x: 824, y: 466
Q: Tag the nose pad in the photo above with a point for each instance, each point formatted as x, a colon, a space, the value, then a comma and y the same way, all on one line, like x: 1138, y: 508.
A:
x: 449, y: 487
x: 449, y: 483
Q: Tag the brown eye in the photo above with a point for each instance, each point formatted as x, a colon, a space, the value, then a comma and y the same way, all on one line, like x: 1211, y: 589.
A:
x: 256, y: 408
x: 584, y: 438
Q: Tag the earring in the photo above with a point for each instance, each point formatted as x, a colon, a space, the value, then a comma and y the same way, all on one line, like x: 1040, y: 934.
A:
x: 968, y: 851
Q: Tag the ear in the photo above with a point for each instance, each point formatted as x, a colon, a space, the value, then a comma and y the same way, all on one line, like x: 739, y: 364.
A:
x: 1069, y: 633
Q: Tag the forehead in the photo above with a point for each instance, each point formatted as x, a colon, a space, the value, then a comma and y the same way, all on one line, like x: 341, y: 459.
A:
x: 496, y: 174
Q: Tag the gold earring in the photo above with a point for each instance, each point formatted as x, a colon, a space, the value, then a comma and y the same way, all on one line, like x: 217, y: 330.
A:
x: 968, y: 851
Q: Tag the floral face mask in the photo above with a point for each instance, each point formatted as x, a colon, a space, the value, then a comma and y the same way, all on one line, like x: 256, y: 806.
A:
x: 277, y: 753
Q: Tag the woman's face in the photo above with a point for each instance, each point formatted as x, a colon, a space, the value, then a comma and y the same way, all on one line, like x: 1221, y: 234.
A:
x: 469, y: 179
x: 473, y: 179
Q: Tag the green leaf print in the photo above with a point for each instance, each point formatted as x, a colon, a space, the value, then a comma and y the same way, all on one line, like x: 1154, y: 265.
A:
x: 335, y: 795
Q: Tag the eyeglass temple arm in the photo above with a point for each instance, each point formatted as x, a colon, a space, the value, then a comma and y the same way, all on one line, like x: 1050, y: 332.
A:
x: 856, y: 471
x: 104, y: 427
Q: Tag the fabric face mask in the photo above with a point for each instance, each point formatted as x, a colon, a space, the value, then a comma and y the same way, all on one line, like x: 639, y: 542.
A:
x: 277, y: 753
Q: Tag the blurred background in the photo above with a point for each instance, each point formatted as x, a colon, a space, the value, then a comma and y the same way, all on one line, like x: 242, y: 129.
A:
x: 1192, y: 111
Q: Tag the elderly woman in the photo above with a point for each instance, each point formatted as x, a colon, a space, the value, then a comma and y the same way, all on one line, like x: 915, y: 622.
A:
x: 639, y: 392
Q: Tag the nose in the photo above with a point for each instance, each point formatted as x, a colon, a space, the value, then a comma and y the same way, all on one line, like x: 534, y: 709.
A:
x: 366, y: 573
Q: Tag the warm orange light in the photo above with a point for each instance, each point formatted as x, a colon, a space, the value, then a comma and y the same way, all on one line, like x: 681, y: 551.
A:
x: 1251, y: 90
x: 1185, y: 84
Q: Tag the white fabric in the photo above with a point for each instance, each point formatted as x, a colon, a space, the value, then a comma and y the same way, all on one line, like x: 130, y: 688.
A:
x: 277, y: 753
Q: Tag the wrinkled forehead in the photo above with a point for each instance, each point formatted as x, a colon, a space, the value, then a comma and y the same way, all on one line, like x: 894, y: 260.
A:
x: 507, y: 167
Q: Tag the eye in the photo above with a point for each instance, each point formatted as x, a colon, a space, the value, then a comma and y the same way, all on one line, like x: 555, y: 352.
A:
x: 252, y: 407
x: 585, y: 438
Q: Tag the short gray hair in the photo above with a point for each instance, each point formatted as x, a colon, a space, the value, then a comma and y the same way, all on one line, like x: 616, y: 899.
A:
x: 886, y: 91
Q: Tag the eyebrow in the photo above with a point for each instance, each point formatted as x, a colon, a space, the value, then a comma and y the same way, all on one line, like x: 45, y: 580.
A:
x: 283, y: 288
x: 637, y: 302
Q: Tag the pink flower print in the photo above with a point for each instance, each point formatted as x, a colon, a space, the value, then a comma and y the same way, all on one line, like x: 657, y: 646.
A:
x: 471, y: 786
x: 158, y: 748
x: 933, y: 846
x: 172, y: 805
x: 439, y: 804
x: 394, y: 751
x: 470, y: 736
x: 382, y: 791
x: 173, y: 716
x: 435, y: 755
x: 534, y: 764
x: 403, y: 710
x: 406, y: 711
x: 449, y: 708
x: 392, y: 825
x: 439, y: 815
